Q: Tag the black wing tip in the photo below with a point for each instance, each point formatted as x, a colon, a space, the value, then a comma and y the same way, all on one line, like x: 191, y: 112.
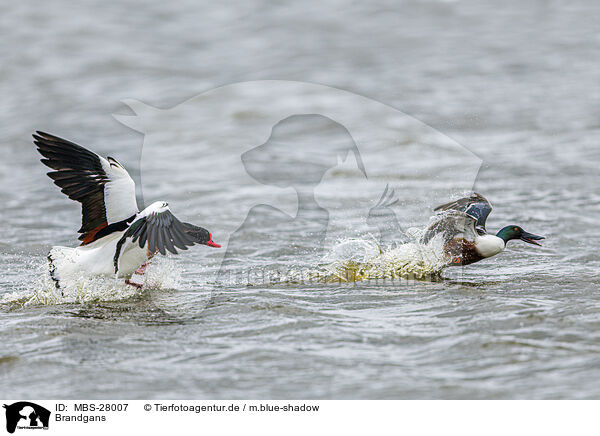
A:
x: 40, y: 136
x: 47, y: 140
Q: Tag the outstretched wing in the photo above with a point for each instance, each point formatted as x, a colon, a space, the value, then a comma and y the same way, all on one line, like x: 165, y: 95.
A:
x: 476, y: 205
x: 452, y: 224
x: 158, y: 230
x: 102, y: 186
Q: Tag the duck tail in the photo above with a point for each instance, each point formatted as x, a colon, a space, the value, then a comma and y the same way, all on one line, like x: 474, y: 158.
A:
x: 52, y: 271
x: 56, y: 263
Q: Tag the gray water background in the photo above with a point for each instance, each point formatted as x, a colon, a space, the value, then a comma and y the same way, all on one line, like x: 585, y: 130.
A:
x: 515, y: 82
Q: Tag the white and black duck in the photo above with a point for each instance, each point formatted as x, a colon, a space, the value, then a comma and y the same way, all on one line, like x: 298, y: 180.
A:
x: 116, y: 238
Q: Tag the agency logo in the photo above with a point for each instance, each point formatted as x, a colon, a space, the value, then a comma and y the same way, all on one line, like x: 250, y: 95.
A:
x: 26, y: 415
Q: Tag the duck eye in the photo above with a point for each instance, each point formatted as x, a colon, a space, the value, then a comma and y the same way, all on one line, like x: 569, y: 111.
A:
x: 516, y: 229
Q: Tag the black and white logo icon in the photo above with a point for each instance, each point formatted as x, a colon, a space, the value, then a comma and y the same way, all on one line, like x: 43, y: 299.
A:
x: 26, y: 415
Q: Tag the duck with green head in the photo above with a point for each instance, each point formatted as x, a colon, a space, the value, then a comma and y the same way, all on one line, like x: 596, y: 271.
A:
x: 462, y: 226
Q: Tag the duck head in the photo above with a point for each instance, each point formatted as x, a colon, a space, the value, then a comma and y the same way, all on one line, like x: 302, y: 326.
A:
x: 509, y: 233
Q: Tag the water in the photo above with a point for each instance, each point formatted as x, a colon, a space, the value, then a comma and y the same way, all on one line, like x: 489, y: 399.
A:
x: 516, y: 86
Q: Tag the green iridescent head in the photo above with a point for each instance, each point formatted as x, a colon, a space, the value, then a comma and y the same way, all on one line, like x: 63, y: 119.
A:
x: 509, y: 233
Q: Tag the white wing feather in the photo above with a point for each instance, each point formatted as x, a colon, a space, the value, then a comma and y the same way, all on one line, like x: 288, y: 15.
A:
x: 119, y: 192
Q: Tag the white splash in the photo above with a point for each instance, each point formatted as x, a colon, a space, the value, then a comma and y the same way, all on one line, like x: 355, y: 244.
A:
x: 162, y: 273
x: 356, y: 260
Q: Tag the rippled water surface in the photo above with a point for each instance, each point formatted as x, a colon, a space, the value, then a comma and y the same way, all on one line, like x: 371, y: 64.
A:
x: 517, y: 86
